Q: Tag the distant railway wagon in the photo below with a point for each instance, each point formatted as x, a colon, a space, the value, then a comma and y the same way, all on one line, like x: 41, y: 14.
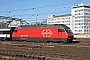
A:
x: 5, y: 33
x: 43, y: 33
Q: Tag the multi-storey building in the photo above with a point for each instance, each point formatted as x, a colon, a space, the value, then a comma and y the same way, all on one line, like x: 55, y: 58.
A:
x: 78, y: 20
x: 81, y: 14
x: 62, y: 19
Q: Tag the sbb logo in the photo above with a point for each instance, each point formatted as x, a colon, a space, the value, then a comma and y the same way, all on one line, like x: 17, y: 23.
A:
x: 46, y: 33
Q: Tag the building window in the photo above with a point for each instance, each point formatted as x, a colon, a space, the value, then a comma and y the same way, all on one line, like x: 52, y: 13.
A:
x: 86, y: 16
x: 57, y: 21
x: 80, y: 30
x: 78, y: 17
x: 86, y: 10
x: 78, y: 20
x: 50, y: 22
x: 68, y: 18
x: 79, y: 10
x: 79, y: 14
x: 87, y: 13
x: 67, y: 21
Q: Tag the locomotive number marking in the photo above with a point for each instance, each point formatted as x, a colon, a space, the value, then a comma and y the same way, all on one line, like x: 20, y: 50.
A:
x: 24, y: 35
x: 46, y: 33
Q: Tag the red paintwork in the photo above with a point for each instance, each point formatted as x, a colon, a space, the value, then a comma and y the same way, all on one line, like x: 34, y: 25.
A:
x: 63, y: 35
x: 40, y: 33
x: 36, y: 32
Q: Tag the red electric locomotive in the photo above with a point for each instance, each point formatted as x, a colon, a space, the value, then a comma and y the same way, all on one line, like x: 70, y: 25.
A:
x: 43, y: 33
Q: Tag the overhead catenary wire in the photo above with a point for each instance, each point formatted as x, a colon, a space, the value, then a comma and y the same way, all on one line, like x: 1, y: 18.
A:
x: 33, y: 8
x: 35, y: 14
x: 30, y: 8
x: 11, y: 2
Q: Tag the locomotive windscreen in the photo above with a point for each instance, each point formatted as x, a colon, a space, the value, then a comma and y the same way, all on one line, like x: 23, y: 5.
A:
x: 68, y: 29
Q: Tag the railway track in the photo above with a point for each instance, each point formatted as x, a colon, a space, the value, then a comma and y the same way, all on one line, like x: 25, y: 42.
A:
x: 14, y: 50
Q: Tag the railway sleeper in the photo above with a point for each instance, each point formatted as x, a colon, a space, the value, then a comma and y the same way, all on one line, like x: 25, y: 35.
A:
x: 31, y: 56
x: 19, y: 55
x: 7, y: 58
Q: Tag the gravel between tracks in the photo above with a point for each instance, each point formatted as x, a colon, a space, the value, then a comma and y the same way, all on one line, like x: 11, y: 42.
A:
x: 15, y: 50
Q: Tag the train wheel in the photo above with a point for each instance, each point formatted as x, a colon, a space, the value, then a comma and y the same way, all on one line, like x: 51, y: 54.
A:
x: 67, y: 41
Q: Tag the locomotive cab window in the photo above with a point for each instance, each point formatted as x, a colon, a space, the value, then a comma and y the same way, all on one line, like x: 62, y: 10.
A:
x: 61, y: 30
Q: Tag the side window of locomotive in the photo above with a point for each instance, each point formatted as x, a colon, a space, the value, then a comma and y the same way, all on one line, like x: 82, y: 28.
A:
x: 61, y: 30
x: 15, y: 31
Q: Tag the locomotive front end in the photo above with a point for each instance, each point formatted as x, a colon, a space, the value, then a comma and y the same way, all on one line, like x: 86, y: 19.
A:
x: 69, y: 34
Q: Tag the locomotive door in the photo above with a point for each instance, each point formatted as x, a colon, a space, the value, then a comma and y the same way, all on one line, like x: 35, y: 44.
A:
x: 60, y: 33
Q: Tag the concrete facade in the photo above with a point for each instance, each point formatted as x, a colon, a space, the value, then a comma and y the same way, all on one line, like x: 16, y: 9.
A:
x: 81, y: 14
